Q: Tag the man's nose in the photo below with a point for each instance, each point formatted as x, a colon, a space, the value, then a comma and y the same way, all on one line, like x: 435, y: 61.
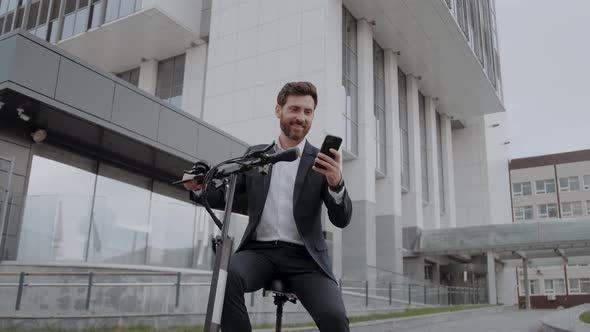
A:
x: 300, y: 117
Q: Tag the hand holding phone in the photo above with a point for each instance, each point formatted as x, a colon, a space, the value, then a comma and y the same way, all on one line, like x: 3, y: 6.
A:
x: 330, y: 142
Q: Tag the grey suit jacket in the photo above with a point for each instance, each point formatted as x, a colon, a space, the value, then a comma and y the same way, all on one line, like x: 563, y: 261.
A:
x: 311, y: 189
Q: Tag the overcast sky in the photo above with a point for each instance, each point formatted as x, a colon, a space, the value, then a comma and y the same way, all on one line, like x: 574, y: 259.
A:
x: 545, y: 58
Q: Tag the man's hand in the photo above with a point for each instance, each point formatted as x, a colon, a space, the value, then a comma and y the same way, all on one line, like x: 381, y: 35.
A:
x: 191, y: 185
x: 332, y: 171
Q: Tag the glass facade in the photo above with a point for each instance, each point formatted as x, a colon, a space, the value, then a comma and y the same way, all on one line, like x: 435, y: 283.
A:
x: 120, y: 8
x: 55, y: 20
x: 379, y: 106
x: 350, y: 80
x: 423, y: 147
x: 441, y: 173
x: 403, y: 126
x: 80, y: 209
x: 477, y: 20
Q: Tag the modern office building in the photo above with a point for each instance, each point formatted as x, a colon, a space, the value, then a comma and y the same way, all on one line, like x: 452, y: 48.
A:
x: 413, y: 87
x: 553, y: 188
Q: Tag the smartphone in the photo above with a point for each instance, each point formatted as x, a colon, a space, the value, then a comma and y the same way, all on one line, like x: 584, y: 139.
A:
x: 330, y: 142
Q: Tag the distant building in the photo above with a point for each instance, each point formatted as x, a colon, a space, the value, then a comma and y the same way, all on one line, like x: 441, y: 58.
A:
x: 552, y: 188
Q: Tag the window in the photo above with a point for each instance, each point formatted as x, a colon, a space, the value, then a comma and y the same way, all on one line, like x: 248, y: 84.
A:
x: 544, y: 186
x: 548, y: 210
x: 170, y: 80
x: 554, y: 286
x: 475, y: 28
x: 350, y: 80
x: 579, y: 285
x: 523, y: 212
x: 571, y: 209
x: 428, y: 271
x: 571, y: 183
x: 120, y: 220
x: 121, y: 8
x: 521, y: 189
x: 11, y: 15
x: 32, y: 17
x: 586, y: 182
x: 75, y: 18
x: 102, y: 212
x: 379, y: 106
x: 95, y: 11
x: 173, y: 246
x: 588, y: 207
x: 534, y: 287
x: 403, y: 126
x: 56, y: 219
x: 131, y: 76
x: 423, y: 146
x: 43, y: 16
x: 441, y: 173
x: 462, y: 17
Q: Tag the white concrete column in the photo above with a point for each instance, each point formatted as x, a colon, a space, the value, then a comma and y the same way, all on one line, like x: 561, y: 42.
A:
x: 194, y: 80
x: 491, y: 264
x: 148, y: 76
x: 392, y: 183
x: 367, y: 144
x: 358, y: 239
x: 388, y: 189
x: 412, y: 200
x: 450, y: 219
x: 432, y: 211
x: 525, y: 270
x: 362, y: 168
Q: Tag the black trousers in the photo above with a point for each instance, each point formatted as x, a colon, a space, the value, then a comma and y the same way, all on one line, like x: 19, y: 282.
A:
x: 252, y: 268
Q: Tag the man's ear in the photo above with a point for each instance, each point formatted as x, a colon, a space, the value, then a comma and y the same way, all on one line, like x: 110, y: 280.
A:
x: 278, y: 111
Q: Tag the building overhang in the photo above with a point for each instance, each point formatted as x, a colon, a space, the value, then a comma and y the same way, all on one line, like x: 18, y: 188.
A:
x: 93, y: 111
x: 433, y: 48
x: 550, y: 243
x: 149, y: 34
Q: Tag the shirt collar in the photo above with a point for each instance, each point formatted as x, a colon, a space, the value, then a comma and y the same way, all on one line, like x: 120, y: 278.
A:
x: 300, y: 146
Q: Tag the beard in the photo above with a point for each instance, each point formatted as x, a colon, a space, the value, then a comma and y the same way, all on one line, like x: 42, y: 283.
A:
x: 290, y: 128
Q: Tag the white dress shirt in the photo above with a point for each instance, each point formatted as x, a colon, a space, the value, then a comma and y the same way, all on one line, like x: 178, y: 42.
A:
x: 277, y: 221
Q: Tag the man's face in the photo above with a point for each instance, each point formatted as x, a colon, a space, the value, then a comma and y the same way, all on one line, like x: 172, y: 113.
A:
x: 296, y: 116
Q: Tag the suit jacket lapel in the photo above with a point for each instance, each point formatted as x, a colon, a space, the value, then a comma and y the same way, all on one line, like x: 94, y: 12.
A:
x: 307, y: 159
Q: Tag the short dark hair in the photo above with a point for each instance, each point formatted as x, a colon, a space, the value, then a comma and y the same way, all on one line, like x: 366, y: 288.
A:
x: 297, y: 89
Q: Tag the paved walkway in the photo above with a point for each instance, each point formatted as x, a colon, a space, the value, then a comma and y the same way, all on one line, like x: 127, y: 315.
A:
x: 512, y: 321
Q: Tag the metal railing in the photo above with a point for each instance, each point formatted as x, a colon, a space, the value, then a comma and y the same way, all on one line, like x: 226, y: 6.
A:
x: 394, y: 288
x: 383, y: 293
x: 90, y: 282
x: 413, y: 293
